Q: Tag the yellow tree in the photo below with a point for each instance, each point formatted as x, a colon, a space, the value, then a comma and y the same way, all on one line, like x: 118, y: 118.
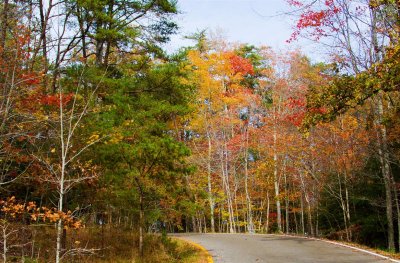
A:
x: 220, y: 95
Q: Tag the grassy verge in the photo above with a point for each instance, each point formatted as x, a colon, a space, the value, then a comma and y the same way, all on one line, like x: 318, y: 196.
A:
x: 200, y: 256
x: 158, y: 248
x: 102, y: 245
x: 382, y: 252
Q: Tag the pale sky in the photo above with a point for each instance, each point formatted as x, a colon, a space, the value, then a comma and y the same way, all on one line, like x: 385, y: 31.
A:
x: 258, y: 22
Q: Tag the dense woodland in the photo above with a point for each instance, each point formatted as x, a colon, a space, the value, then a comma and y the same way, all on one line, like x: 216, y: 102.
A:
x: 103, y: 133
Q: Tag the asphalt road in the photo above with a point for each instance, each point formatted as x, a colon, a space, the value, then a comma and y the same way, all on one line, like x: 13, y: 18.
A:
x: 243, y: 248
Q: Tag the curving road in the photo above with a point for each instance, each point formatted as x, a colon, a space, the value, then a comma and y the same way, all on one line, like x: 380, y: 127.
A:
x: 243, y: 248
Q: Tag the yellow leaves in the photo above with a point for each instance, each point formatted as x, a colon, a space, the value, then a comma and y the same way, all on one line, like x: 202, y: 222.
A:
x: 233, y: 100
x: 93, y: 138
x: 117, y: 135
x: 78, y: 97
x: 196, y: 123
x: 219, y: 87
x: 40, y: 116
x: 116, y: 138
x: 128, y: 123
x: 97, y: 108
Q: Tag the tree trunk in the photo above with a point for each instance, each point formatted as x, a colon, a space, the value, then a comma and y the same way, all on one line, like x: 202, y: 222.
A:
x: 205, y: 222
x: 346, y: 190
x: 386, y: 173
x: 59, y: 226
x: 396, y: 199
x: 236, y: 209
x: 61, y: 192
x: 5, y: 248
x: 194, y: 224
x: 108, y: 43
x: 309, y: 216
x: 286, y: 206
x: 295, y: 220
x: 99, y: 51
x: 276, y: 185
x: 141, y: 225
x: 199, y: 223
x: 210, y: 195
x: 302, y: 215
x: 250, y: 224
x: 4, y: 26
x: 225, y: 178
x: 43, y: 29
x: 220, y: 220
x: 267, y: 222
x: 317, y: 219
x: 260, y: 217
x: 83, y: 32
x: 344, y: 208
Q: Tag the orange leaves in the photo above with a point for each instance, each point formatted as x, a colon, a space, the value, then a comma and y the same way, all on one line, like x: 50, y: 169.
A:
x: 241, y: 65
x: 344, y: 143
x: 14, y: 210
x: 11, y: 208
x: 235, y: 143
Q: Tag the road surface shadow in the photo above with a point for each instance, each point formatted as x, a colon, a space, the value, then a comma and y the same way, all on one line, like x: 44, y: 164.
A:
x: 298, y: 240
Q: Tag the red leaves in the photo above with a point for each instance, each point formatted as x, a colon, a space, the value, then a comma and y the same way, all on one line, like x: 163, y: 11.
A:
x: 30, y: 79
x: 296, y: 118
x: 235, y: 143
x: 319, y: 21
x: 273, y: 215
x: 16, y: 52
x: 313, y: 19
x: 56, y: 100
x: 36, y: 100
x: 295, y: 3
x: 298, y: 110
x: 241, y: 65
x: 298, y: 107
x: 296, y: 103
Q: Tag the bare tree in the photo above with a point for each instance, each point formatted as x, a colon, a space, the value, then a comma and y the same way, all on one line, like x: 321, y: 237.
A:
x: 68, y: 147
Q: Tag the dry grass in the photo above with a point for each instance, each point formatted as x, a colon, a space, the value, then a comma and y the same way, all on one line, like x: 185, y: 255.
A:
x: 106, y: 245
x: 201, y: 255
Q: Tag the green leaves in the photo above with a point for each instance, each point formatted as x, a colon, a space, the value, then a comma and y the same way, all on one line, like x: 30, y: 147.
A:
x: 344, y: 92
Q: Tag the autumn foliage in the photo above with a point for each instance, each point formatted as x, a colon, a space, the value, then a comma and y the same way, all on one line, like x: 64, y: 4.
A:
x: 318, y: 21
x: 13, y: 210
x: 100, y: 127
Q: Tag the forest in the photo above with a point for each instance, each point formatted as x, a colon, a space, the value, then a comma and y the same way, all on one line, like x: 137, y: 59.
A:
x: 108, y: 142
